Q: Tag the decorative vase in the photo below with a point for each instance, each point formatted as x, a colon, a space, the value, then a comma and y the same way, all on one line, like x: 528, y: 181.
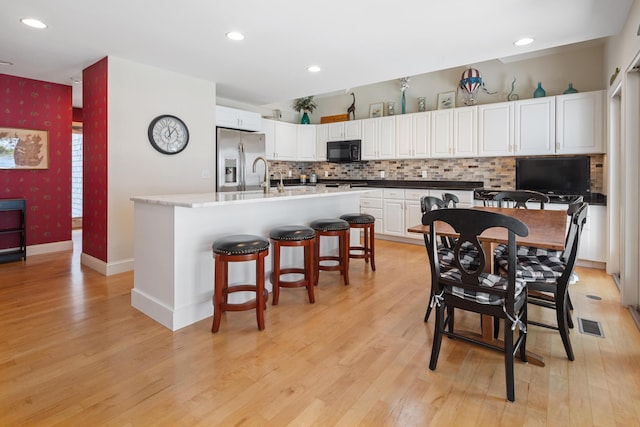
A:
x: 539, y: 92
x: 305, y: 119
x: 571, y: 89
x: 422, y: 104
x: 391, y: 108
x: 404, y: 103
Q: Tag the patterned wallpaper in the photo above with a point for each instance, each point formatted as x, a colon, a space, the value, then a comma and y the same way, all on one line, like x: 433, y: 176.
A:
x: 495, y: 172
x: 34, y: 104
x: 94, y: 165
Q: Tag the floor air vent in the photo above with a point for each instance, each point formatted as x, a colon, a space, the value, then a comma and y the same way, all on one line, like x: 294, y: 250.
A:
x: 590, y: 327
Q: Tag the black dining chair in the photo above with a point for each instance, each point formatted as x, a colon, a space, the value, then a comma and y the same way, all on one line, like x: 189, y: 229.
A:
x: 519, y: 198
x: 548, y: 276
x: 450, y: 200
x: 472, y: 289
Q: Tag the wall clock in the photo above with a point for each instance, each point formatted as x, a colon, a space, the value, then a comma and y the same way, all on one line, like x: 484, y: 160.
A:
x: 168, y: 134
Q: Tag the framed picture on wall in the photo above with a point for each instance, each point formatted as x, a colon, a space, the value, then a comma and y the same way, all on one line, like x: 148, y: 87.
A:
x: 24, y: 148
x: 446, y: 100
x: 375, y: 110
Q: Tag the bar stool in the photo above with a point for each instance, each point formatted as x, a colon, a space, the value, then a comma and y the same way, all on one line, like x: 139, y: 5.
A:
x: 237, y: 248
x: 292, y: 236
x: 367, y: 223
x: 332, y: 227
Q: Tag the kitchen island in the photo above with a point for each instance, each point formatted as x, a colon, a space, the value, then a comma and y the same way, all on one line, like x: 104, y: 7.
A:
x: 173, y: 270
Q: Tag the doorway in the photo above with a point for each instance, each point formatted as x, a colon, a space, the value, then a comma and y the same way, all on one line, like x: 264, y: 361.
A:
x: 76, y: 175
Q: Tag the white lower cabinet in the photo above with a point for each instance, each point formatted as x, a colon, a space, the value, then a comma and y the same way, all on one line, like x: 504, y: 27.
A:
x: 371, y: 203
x: 393, y: 213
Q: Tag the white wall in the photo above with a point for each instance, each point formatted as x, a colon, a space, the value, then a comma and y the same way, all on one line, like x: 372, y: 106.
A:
x: 621, y: 49
x: 137, y: 94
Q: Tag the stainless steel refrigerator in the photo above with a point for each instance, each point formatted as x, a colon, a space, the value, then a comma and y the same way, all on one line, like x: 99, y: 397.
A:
x: 235, y: 154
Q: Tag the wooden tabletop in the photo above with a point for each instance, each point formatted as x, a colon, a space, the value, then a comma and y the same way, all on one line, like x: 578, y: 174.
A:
x: 547, y: 228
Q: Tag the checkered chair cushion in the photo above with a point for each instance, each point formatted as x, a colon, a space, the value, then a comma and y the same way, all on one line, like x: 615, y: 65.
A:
x: 487, y: 280
x: 469, y: 257
x: 545, y: 269
x: 501, y: 250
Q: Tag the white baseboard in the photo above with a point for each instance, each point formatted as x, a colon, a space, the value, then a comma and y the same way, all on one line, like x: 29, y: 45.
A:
x: 173, y: 319
x: 104, y: 268
x: 46, y: 248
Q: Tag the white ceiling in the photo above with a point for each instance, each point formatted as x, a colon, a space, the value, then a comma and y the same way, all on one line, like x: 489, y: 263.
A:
x: 355, y: 42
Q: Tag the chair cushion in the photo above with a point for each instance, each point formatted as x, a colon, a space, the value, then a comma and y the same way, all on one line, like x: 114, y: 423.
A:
x: 329, y: 224
x: 240, y: 244
x: 292, y: 233
x: 487, y: 280
x: 535, y: 268
x: 501, y: 249
x: 358, y: 218
x: 469, y: 258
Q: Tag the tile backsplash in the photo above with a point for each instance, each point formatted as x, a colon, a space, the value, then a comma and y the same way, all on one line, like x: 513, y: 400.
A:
x: 495, y: 172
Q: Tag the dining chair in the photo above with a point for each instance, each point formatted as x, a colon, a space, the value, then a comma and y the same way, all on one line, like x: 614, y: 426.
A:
x: 519, y: 198
x: 472, y: 289
x: 450, y: 200
x: 548, y: 277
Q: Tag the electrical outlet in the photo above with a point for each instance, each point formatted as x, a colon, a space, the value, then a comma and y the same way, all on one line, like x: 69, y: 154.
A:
x: 205, y: 174
x: 289, y: 174
x: 381, y: 174
x: 424, y: 174
x: 326, y: 174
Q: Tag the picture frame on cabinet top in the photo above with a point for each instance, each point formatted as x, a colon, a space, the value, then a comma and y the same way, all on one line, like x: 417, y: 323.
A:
x: 375, y: 110
x: 446, y: 100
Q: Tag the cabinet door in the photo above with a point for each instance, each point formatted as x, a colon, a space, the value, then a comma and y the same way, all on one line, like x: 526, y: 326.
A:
x: 286, y: 141
x: 413, y: 216
x: 269, y: 130
x: 306, y: 142
x: 336, y: 131
x: 580, y: 123
x: 404, y: 136
x: 387, y: 137
x: 441, y: 133
x: 421, y: 135
x: 369, y: 139
x: 352, y: 129
x: 465, y: 132
x: 535, y: 126
x: 495, y: 129
x: 393, y: 215
x: 237, y: 119
x: 321, y: 142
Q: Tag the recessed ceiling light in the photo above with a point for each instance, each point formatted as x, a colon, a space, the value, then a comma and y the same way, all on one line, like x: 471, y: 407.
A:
x: 34, y: 23
x: 235, y: 35
x: 313, y: 68
x: 2, y: 62
x: 523, y: 41
x: 75, y: 80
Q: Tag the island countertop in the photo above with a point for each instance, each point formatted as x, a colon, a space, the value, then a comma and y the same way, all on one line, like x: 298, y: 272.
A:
x: 203, y: 200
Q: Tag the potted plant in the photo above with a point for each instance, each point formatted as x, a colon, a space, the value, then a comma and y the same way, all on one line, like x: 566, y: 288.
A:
x: 306, y: 104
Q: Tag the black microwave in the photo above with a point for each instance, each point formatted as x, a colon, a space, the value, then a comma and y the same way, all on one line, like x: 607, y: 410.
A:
x: 343, y: 151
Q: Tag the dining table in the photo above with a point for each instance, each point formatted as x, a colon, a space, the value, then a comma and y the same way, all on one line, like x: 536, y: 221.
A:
x: 547, y: 229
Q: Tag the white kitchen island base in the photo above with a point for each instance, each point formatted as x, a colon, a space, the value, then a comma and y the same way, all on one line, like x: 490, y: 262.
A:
x: 173, y: 273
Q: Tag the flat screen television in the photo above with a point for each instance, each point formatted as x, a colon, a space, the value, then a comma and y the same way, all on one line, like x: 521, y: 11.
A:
x: 554, y: 175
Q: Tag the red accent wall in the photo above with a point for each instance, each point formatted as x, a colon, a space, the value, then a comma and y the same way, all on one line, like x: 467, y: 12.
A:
x: 94, y: 162
x: 77, y: 114
x: 35, y: 104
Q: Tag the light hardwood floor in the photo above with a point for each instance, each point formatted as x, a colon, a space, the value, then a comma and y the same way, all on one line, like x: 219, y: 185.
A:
x: 74, y: 352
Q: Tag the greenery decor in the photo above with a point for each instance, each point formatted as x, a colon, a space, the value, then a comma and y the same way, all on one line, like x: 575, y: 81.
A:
x: 305, y: 104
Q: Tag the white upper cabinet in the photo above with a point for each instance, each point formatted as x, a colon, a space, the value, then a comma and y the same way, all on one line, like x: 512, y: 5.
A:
x: 281, y: 140
x: 237, y: 119
x: 306, y: 143
x: 341, y: 131
x: 580, y: 123
x: 378, y: 138
x: 495, y: 129
x: 322, y: 135
x: 454, y: 132
x: 534, y: 128
x: 412, y: 136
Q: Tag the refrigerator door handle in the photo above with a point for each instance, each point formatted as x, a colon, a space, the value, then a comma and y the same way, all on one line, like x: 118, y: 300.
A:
x: 241, y: 174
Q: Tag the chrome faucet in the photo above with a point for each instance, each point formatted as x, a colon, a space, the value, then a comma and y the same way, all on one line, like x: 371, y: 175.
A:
x: 266, y: 184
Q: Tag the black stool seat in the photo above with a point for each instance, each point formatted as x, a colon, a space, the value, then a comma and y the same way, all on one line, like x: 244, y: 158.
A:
x: 329, y: 224
x: 358, y: 218
x: 292, y: 232
x: 240, y: 244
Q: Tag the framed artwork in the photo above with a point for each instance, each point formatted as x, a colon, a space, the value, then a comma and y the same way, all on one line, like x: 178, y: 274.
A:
x: 446, y: 100
x: 375, y: 110
x: 24, y: 148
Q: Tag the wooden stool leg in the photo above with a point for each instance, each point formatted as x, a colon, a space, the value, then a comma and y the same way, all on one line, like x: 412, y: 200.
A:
x: 316, y: 260
x: 372, y: 251
x: 217, y: 296
x: 344, y: 242
x: 260, y: 300
x: 276, y: 271
x: 309, y: 266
